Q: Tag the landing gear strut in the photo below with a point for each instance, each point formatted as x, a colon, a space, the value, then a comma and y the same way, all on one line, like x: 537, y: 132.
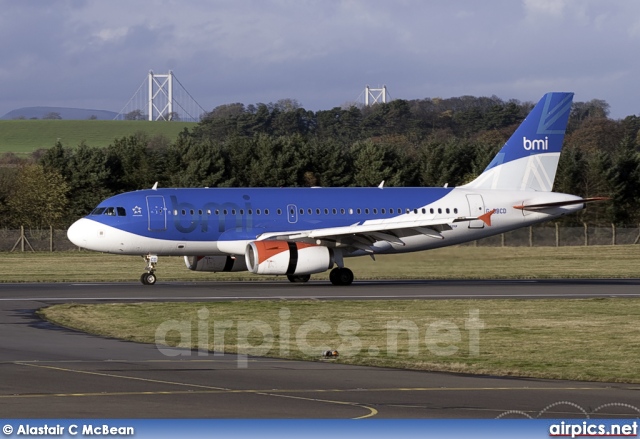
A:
x: 149, y: 277
x: 298, y: 278
x: 341, y: 276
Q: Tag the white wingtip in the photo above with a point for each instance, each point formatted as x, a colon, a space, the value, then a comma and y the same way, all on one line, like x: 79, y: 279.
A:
x: 381, y: 185
x: 155, y: 186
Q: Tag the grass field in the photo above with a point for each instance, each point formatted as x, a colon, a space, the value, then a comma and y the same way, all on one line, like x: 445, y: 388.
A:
x: 593, y: 340
x: 25, y: 136
x: 464, y: 262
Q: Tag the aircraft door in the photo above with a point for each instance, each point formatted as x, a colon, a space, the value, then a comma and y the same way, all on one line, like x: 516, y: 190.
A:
x: 292, y: 213
x: 157, y: 213
x: 476, y: 208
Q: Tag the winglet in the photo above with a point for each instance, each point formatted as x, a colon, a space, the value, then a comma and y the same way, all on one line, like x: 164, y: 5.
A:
x: 486, y: 217
x: 381, y: 185
x: 155, y: 186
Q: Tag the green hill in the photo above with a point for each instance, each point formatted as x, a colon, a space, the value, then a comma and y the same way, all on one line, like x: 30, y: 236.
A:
x: 26, y: 136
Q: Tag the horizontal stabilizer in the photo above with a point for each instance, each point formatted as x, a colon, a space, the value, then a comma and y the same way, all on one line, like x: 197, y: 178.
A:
x: 543, y: 206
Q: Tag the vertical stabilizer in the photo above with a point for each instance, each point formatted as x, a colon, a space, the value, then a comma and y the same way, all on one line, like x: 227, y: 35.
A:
x: 529, y: 159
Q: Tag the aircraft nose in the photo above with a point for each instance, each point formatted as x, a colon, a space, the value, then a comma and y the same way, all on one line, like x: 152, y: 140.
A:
x: 80, y: 231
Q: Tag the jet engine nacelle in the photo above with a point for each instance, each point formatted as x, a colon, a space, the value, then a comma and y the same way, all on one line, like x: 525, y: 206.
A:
x: 280, y: 257
x: 215, y: 263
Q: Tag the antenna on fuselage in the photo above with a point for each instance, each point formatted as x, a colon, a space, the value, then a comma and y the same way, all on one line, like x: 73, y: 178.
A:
x: 381, y: 185
x: 155, y: 186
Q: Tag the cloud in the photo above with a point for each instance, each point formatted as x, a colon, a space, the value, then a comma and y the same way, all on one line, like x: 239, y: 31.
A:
x: 321, y: 53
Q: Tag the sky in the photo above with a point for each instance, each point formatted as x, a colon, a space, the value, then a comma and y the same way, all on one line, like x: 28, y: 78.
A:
x: 96, y: 54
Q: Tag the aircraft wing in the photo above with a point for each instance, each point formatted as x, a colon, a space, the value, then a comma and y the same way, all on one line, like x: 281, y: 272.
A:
x: 362, y: 236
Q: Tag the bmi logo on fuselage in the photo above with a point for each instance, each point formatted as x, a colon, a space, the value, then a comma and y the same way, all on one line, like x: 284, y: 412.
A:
x: 535, y: 144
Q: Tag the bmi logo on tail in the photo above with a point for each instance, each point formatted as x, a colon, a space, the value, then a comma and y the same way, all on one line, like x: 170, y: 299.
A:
x: 535, y: 144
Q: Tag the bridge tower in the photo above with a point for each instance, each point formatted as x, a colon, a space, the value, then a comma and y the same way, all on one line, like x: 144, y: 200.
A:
x: 375, y: 95
x: 160, y: 92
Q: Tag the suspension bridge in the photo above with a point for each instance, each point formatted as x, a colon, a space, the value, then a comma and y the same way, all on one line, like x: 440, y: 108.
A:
x: 161, y: 97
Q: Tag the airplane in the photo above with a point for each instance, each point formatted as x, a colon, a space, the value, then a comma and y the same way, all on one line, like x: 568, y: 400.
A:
x: 298, y: 232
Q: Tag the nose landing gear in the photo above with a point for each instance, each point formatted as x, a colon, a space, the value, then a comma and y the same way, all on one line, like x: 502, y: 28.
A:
x: 149, y: 277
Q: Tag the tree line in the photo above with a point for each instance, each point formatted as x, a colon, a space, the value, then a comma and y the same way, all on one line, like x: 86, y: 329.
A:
x: 428, y: 142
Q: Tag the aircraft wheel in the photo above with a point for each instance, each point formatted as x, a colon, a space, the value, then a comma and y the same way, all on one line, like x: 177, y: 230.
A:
x: 341, y: 276
x: 148, y: 278
x: 299, y: 278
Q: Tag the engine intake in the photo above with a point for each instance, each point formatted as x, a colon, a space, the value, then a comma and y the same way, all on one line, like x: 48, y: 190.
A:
x: 215, y: 264
x: 280, y: 257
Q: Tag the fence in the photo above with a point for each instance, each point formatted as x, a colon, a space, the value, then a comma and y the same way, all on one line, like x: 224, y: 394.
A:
x: 554, y: 235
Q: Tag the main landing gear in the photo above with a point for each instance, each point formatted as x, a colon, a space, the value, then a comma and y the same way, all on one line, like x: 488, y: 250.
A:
x: 338, y: 276
x: 149, y: 277
x: 299, y: 278
x: 341, y: 276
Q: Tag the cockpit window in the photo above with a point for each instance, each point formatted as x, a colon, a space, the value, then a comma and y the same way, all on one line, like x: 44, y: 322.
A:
x: 98, y: 211
x: 121, y: 211
x: 111, y: 211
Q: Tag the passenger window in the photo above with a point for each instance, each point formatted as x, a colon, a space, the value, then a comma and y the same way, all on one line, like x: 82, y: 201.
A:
x: 266, y: 211
x: 233, y: 211
x: 455, y: 210
x: 326, y: 211
x: 121, y: 211
x: 366, y: 211
x: 424, y: 210
x: 317, y: 211
x: 309, y: 211
x: 334, y: 211
x: 382, y: 210
x: 301, y: 211
x: 359, y: 211
x: 258, y: 212
x: 448, y: 211
x: 439, y: 210
x: 241, y: 211
x: 224, y: 211
x: 375, y: 210
x: 431, y: 210
x: 342, y: 211
x: 279, y: 211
